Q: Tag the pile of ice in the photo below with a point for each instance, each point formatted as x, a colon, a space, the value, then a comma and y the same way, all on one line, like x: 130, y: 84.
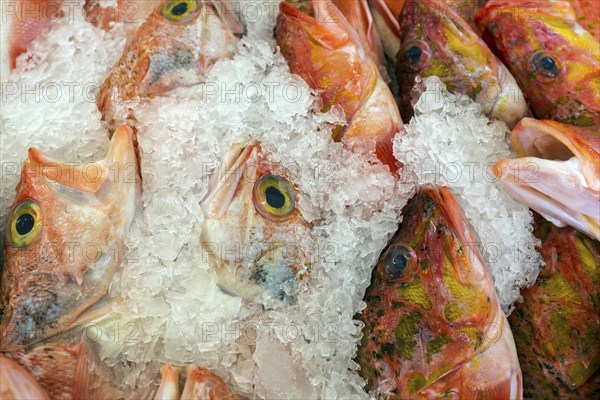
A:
x: 449, y: 142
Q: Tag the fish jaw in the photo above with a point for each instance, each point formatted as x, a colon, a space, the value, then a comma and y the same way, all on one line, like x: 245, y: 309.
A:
x: 66, y: 262
x: 523, y: 33
x: 165, y: 54
x: 326, y: 52
x: 432, y: 309
x: 17, y: 383
x: 254, y: 254
x: 169, y: 384
x: 385, y: 16
x: 449, y: 48
x: 558, y: 175
x: 203, y: 384
x: 360, y: 18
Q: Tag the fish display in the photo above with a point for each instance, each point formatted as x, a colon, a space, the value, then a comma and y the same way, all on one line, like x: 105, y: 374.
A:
x: 323, y: 49
x: 252, y: 207
x: 200, y: 384
x: 557, y: 173
x: 557, y: 327
x: 173, y: 48
x: 436, y: 41
x: 555, y: 61
x: 433, y: 324
x: 65, y: 239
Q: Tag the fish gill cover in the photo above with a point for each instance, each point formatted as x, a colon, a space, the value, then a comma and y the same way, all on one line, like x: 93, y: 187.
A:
x: 167, y: 306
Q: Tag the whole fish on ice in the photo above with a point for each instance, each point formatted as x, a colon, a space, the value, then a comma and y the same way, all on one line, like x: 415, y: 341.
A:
x: 555, y: 61
x: 433, y: 323
x: 252, y: 227
x: 557, y: 173
x: 435, y: 40
x: 322, y: 47
x: 557, y: 327
x: 173, y: 48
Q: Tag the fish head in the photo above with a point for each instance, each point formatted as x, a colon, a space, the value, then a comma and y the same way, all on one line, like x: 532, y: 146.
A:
x: 557, y: 327
x: 173, y: 48
x: 64, y: 239
x: 435, y: 40
x: 555, y: 61
x: 252, y: 227
x: 431, y: 306
x: 557, y: 174
x: 321, y: 47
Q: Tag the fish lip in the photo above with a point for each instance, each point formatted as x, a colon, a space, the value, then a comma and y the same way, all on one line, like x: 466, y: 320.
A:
x: 460, y: 227
x: 225, y: 180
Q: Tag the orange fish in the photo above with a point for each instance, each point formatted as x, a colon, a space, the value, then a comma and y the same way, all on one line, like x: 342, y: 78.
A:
x: 322, y: 47
x: 555, y: 61
x: 64, y: 240
x: 557, y: 327
x: 174, y: 47
x: 433, y: 323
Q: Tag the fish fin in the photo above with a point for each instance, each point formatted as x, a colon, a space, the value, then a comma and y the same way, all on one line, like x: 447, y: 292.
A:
x: 17, y: 383
x: 328, y: 30
x: 385, y: 153
x: 225, y: 10
x: 169, y: 383
x: 85, y: 178
x: 494, y: 373
x: 82, y: 375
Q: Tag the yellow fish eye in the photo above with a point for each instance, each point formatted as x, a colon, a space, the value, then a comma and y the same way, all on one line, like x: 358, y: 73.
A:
x: 274, y: 197
x: 180, y: 10
x: 25, y: 223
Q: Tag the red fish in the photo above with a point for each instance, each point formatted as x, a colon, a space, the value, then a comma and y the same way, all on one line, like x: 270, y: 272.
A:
x: 325, y: 51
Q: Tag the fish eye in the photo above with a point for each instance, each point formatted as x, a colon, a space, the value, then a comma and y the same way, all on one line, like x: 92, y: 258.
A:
x: 545, y: 65
x: 416, y: 55
x: 274, y: 197
x: 180, y: 10
x: 24, y: 224
x: 397, y: 260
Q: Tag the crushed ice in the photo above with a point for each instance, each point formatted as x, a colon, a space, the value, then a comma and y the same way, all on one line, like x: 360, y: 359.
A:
x: 449, y: 142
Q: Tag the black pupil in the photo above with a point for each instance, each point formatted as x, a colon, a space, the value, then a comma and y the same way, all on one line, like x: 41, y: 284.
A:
x: 398, y: 264
x: 414, y: 54
x: 25, y: 224
x: 548, y: 63
x: 179, y: 9
x: 274, y: 197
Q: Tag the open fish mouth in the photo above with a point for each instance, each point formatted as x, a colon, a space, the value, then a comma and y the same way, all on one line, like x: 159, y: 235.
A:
x: 47, y: 283
x: 558, y: 174
x: 240, y: 162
